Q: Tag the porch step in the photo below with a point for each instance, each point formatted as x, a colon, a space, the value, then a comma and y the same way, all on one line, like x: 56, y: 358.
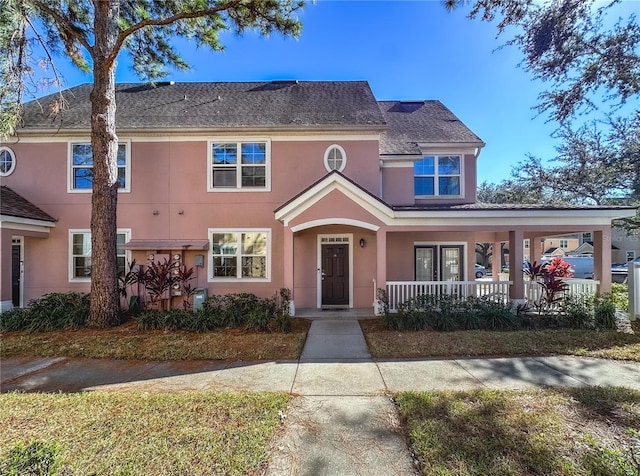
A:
x: 331, y: 314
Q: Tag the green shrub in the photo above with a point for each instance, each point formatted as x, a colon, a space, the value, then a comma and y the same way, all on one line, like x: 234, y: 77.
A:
x: 170, y: 320
x: 494, y: 315
x: 36, y: 458
x: 577, y: 311
x: 449, y: 312
x: 50, y: 312
x: 620, y: 296
x: 605, y: 311
x: 59, y: 311
x: 218, y: 311
x: 14, y: 320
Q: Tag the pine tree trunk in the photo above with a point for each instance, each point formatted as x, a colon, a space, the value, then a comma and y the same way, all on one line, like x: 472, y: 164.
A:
x: 104, y: 141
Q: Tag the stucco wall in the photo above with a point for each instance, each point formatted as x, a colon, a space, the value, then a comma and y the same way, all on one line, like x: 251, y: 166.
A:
x: 168, y: 199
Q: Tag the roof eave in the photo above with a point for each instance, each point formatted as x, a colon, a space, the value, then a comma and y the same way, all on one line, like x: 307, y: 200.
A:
x: 84, y: 131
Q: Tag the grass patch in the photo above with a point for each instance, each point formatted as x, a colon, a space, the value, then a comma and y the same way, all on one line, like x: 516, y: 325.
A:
x: 551, y: 432
x: 141, y: 434
x: 126, y: 342
x: 384, y: 343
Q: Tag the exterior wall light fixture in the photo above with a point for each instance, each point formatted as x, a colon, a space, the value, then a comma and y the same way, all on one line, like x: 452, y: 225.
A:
x: 362, y: 242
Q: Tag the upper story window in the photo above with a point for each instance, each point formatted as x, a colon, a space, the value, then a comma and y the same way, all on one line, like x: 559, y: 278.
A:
x: 80, y: 254
x: 239, y: 166
x: 81, y: 167
x: 564, y: 243
x: 7, y: 161
x: 438, y: 175
x: 239, y: 254
x: 335, y: 158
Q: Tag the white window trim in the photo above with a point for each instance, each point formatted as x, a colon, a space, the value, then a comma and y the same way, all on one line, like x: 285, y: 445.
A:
x: 127, y: 167
x: 74, y: 231
x: 238, y: 279
x: 238, y: 187
x: 326, y: 158
x: 435, y: 176
x: 13, y: 161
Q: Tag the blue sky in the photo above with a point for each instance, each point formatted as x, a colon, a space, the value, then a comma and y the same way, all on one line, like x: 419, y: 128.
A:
x: 406, y: 50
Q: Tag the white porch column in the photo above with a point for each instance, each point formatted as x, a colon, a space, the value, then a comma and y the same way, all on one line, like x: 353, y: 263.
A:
x: 516, y: 256
x: 289, y: 266
x: 602, y: 259
x: 381, y: 265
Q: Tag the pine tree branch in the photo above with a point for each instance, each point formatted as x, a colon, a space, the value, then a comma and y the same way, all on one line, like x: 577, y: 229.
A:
x: 123, y: 35
x: 65, y: 25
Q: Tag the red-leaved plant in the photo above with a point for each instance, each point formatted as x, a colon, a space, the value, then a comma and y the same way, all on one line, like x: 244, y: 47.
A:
x: 549, y: 276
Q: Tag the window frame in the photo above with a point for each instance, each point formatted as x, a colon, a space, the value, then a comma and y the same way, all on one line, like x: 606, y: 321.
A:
x: 438, y: 265
x: 238, y: 166
x: 238, y: 232
x: 328, y: 151
x: 436, y: 176
x: 70, y: 167
x: 12, y: 154
x: 86, y: 231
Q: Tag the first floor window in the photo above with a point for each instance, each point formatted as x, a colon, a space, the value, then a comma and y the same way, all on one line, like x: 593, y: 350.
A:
x: 81, y: 173
x: 240, y: 254
x: 437, y: 175
x: 81, y: 254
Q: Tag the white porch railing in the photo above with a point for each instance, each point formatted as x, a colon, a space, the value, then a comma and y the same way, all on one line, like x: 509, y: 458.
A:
x: 576, y: 287
x: 401, y: 291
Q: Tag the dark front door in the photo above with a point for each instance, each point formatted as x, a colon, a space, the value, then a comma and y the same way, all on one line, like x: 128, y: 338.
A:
x: 335, y: 274
x: 15, y: 275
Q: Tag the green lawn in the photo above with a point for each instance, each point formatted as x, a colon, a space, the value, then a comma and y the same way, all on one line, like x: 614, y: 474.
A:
x: 126, y: 342
x: 145, y: 434
x: 589, y: 431
x: 384, y: 343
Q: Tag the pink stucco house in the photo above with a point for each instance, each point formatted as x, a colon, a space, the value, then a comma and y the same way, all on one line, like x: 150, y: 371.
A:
x: 313, y: 186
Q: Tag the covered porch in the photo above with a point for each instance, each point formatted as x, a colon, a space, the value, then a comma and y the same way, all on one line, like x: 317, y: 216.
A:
x: 407, y: 250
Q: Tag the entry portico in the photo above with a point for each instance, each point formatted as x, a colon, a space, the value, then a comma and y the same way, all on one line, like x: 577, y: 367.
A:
x: 341, y: 242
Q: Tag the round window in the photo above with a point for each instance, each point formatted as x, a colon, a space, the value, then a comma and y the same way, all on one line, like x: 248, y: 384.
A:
x: 7, y: 161
x: 335, y: 158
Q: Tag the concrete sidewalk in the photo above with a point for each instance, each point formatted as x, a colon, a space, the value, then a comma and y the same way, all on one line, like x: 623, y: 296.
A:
x: 335, y: 361
x: 343, y: 421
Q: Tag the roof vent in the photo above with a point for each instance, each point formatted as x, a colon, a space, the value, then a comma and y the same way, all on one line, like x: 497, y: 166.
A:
x: 285, y: 82
x: 166, y: 83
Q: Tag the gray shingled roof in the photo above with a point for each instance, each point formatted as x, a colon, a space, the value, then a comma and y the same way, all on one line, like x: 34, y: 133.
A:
x: 412, y: 122
x: 508, y: 206
x: 276, y: 104
x: 12, y: 204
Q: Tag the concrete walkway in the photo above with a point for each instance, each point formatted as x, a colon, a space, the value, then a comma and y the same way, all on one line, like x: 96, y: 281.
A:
x: 343, y: 421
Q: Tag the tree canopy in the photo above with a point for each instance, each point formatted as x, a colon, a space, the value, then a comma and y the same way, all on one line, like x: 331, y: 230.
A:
x: 591, y: 167
x: 590, y: 60
x: 93, y: 34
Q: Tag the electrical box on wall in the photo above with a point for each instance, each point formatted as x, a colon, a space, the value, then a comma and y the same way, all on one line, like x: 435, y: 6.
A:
x: 198, y: 260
